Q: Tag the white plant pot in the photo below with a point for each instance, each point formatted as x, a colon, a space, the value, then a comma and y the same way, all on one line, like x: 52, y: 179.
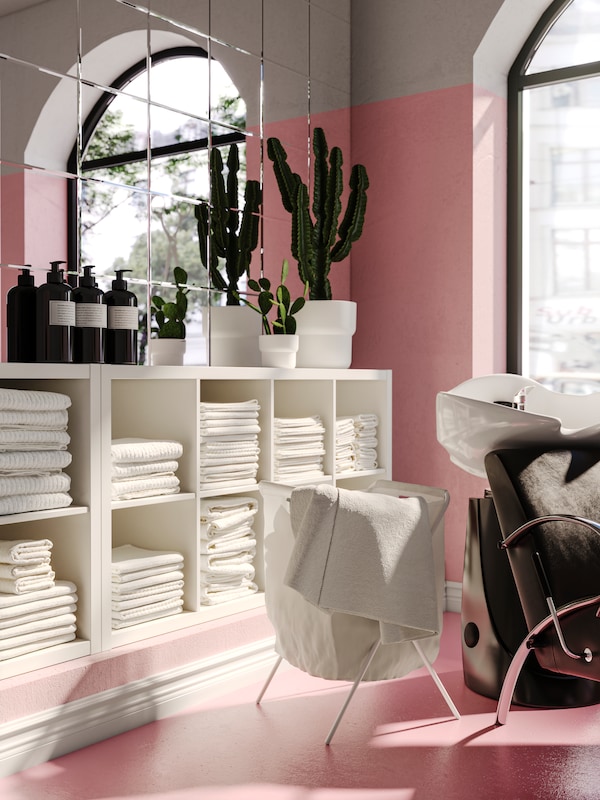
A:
x: 278, y: 350
x: 168, y: 352
x: 234, y: 334
x: 326, y: 328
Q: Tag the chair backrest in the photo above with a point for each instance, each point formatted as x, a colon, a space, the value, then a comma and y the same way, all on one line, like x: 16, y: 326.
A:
x: 533, y: 482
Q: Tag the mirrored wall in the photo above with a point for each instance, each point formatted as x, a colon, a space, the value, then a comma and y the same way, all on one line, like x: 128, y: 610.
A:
x: 110, y: 111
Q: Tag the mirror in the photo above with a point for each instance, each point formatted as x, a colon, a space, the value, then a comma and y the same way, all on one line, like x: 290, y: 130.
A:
x: 105, y: 162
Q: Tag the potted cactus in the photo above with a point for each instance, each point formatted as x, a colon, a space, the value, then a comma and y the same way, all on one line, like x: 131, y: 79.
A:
x: 320, y: 239
x: 168, y: 347
x: 230, y: 235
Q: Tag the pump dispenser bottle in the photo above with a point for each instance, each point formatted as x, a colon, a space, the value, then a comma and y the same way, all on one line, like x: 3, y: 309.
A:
x: 122, y: 323
x: 90, y: 320
x: 21, y: 319
x: 55, y: 311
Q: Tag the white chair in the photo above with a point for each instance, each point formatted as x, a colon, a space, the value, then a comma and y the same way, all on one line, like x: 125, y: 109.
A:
x: 335, y: 645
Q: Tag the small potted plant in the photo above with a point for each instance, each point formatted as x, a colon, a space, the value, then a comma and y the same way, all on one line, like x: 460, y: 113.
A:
x: 317, y: 241
x: 279, y: 342
x: 168, y: 346
x: 227, y: 237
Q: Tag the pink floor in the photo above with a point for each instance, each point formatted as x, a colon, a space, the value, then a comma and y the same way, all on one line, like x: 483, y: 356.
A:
x: 396, y: 742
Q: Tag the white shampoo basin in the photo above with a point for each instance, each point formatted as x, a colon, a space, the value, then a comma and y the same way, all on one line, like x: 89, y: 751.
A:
x: 471, y: 420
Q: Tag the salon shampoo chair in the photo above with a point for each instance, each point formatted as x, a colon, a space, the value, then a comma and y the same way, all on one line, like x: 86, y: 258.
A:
x: 531, y: 589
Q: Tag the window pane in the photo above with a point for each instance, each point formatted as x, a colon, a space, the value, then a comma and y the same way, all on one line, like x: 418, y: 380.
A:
x: 572, y: 40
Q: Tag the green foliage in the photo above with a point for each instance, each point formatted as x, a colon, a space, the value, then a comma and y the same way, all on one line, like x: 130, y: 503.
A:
x: 170, y: 315
x: 233, y: 233
x: 285, y: 321
x: 320, y: 239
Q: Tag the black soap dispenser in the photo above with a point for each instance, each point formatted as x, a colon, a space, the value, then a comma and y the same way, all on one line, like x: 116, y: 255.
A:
x: 90, y: 320
x: 21, y: 318
x: 122, y: 323
x: 55, y: 311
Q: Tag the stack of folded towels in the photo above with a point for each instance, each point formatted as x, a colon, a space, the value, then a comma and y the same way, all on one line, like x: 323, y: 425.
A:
x: 35, y: 610
x: 299, y: 449
x: 33, y: 451
x: 227, y: 548
x: 144, y: 468
x: 365, y: 441
x: 229, y: 447
x: 146, y: 585
x: 345, y: 456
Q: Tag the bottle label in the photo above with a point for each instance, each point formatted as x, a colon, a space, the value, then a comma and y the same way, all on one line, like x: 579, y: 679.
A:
x: 123, y: 318
x: 90, y: 315
x: 61, y: 312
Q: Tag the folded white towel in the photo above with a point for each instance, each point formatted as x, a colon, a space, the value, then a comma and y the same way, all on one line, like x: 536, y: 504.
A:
x: 136, y: 602
x: 217, y: 508
x: 237, y: 406
x: 213, y: 485
x: 17, y: 439
x: 21, y: 503
x: 225, y: 460
x: 148, y: 609
x: 226, y: 545
x: 297, y: 422
x: 207, y: 424
x: 134, y: 575
x: 24, y: 551
x: 129, y: 558
x: 150, y: 581
x: 12, y: 571
x: 234, y: 441
x: 34, y: 646
x: 117, y: 624
x: 50, y: 420
x: 50, y: 613
x: 34, y: 484
x: 33, y: 400
x: 62, y: 591
x: 137, y: 450
x: 212, y: 595
x: 36, y: 462
x: 213, y: 561
x: 29, y: 583
x: 148, y: 486
x: 127, y: 470
x: 36, y: 636
x: 21, y: 628
x: 243, y: 569
x: 123, y: 591
x: 228, y: 430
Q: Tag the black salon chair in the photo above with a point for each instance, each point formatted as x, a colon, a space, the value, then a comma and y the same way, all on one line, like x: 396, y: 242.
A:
x: 548, y: 506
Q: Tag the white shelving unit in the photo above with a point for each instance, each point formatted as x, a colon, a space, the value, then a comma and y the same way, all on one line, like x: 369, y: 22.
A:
x: 110, y: 402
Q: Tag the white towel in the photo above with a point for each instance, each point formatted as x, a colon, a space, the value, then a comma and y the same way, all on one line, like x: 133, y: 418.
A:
x: 21, y: 503
x: 213, y: 595
x: 148, y: 609
x: 62, y: 592
x: 24, y: 551
x: 127, y: 470
x: 136, y: 602
x: 34, y: 646
x: 212, y: 561
x: 367, y: 554
x: 242, y: 569
x: 34, y: 484
x: 11, y: 571
x: 32, y: 400
x: 15, y: 439
x: 50, y: 420
x: 214, y: 485
x: 136, y: 450
x: 146, y: 583
x: 50, y: 613
x: 15, y: 642
x: 126, y: 577
x: 126, y: 623
x: 21, y: 628
x: 215, y: 509
x: 148, y: 486
x: 123, y: 591
x: 29, y: 583
x: 237, y: 406
x: 36, y: 462
x: 228, y: 430
x: 129, y: 558
x: 225, y: 544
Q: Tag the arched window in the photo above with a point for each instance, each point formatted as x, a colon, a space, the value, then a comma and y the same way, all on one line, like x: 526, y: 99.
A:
x: 142, y: 161
x: 554, y: 200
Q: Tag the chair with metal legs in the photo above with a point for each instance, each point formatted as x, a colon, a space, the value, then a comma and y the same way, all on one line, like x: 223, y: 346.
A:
x: 341, y: 646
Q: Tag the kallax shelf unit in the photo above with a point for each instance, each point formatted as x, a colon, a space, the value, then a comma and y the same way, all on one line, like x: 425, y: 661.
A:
x: 110, y: 402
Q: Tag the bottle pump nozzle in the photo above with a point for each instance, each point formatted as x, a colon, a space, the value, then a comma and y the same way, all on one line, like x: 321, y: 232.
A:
x: 119, y: 283
x: 87, y: 278
x: 25, y: 278
x: 56, y: 274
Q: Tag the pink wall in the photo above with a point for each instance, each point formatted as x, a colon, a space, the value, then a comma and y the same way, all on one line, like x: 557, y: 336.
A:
x: 416, y: 281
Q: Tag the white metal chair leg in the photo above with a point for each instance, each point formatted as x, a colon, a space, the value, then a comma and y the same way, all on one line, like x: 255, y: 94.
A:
x: 437, y: 680
x: 269, y: 679
x: 365, y: 666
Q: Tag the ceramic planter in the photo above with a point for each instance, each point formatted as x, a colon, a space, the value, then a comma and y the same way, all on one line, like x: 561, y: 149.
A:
x: 278, y: 350
x: 234, y: 334
x: 168, y: 352
x: 326, y: 328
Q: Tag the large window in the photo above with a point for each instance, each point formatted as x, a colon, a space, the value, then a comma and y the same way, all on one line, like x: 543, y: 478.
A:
x: 554, y: 200
x: 143, y: 168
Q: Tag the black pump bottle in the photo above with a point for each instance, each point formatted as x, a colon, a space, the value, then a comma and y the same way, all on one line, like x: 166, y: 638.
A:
x: 55, y: 312
x: 90, y: 320
x: 122, y: 323
x: 21, y: 319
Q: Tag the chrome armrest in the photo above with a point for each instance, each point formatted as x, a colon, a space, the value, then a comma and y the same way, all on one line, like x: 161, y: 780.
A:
x: 520, y: 532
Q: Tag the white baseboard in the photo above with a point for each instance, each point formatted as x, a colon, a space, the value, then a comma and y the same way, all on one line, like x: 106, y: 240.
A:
x: 453, y: 596
x: 40, y: 737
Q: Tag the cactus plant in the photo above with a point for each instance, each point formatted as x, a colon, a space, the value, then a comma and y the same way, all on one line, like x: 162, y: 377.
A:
x: 230, y: 239
x: 285, y: 321
x: 170, y: 316
x: 318, y: 242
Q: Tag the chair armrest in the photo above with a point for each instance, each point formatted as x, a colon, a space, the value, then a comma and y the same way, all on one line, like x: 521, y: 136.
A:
x: 524, y: 529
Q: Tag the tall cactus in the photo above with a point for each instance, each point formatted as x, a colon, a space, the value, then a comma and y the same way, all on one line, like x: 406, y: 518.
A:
x: 229, y: 240
x: 320, y: 239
